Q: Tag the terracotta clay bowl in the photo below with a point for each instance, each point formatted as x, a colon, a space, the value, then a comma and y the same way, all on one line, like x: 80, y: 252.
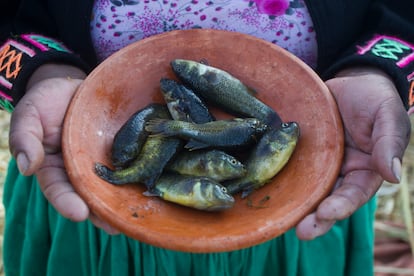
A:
x: 129, y: 80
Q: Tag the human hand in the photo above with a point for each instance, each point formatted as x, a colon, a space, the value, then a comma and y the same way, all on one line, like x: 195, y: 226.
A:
x: 35, y: 138
x: 377, y: 132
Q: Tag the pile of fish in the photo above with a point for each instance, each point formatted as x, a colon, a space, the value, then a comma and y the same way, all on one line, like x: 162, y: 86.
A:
x: 182, y: 154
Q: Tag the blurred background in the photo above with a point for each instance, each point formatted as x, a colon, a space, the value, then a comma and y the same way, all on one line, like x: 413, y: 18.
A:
x: 394, y: 244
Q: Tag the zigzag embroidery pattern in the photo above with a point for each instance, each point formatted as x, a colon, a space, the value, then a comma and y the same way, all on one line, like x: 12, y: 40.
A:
x: 10, y: 62
x: 11, y: 55
x: 12, y: 59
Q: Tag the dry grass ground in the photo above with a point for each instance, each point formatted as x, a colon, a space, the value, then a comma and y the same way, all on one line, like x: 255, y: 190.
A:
x: 395, y: 202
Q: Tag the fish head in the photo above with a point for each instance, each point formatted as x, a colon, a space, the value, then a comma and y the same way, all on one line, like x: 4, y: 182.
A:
x: 191, y: 73
x: 217, y: 196
x: 182, y: 67
x: 291, y: 128
x: 223, y: 165
x: 232, y: 166
x: 285, y: 137
x: 167, y: 87
x: 277, y: 142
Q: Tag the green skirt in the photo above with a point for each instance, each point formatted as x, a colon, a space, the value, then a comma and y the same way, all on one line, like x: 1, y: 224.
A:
x: 38, y: 241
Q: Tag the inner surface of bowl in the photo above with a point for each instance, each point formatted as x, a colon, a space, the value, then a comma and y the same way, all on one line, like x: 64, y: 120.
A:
x: 129, y: 80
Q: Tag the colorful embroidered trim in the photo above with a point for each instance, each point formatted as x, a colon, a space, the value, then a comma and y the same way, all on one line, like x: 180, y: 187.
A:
x: 396, y: 50
x: 390, y: 48
x: 15, y: 57
x: 410, y: 79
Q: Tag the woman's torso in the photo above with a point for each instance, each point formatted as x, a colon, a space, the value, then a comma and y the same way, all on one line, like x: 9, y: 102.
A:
x: 117, y: 23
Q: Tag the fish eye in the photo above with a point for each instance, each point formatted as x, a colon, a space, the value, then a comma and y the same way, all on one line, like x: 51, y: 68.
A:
x: 233, y: 161
x: 285, y: 125
x: 224, y: 189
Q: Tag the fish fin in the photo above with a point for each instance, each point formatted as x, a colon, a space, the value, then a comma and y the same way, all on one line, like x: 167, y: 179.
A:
x: 247, y: 191
x: 237, y: 185
x: 108, y: 174
x: 150, y: 182
x: 195, y: 145
x: 157, y: 135
x: 156, y: 125
x: 103, y: 171
x: 153, y: 192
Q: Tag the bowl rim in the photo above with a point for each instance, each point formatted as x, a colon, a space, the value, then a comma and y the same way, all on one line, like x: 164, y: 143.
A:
x: 200, y: 245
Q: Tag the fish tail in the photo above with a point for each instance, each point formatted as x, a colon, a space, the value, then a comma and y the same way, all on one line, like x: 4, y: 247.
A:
x: 151, y: 193
x: 150, y: 182
x: 247, y: 191
x: 238, y: 185
x: 157, y: 127
x: 103, y: 171
x: 109, y: 175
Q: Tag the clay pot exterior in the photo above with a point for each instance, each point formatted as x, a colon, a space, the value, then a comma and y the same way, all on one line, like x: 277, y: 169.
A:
x: 129, y: 80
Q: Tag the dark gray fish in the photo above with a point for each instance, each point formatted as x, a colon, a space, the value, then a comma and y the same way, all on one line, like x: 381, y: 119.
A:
x: 220, y: 88
x: 155, y: 153
x: 215, y: 164
x: 200, y: 193
x: 183, y: 103
x: 221, y: 133
x: 267, y: 158
x: 131, y: 136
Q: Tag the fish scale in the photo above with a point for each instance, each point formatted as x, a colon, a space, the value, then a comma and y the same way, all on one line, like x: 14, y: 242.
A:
x: 267, y: 158
x: 155, y: 153
x: 130, y: 137
x: 224, y: 90
x: 201, y: 193
x: 221, y: 133
x: 215, y: 164
x: 183, y: 103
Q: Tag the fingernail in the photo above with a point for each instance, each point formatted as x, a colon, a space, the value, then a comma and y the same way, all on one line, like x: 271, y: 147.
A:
x: 22, y: 162
x: 396, y: 168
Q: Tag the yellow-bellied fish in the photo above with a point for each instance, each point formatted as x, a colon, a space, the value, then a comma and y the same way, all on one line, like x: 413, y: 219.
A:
x: 200, y: 193
x: 267, y: 158
x: 183, y: 103
x: 131, y: 136
x: 220, y: 133
x: 215, y: 164
x: 222, y: 89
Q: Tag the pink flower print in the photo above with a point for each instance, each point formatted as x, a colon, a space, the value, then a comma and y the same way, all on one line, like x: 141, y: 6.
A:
x: 272, y: 7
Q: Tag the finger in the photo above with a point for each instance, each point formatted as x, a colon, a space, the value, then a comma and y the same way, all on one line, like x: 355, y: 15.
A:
x: 311, y: 227
x: 25, y: 137
x: 354, y: 190
x: 59, y: 192
x: 36, y: 122
x: 103, y: 225
x: 354, y: 160
x: 391, y: 135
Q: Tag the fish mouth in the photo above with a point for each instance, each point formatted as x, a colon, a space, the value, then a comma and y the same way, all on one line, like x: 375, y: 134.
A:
x: 223, y: 205
x: 219, y: 207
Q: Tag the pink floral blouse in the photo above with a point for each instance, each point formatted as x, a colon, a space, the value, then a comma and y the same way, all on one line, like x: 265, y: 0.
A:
x: 117, y: 23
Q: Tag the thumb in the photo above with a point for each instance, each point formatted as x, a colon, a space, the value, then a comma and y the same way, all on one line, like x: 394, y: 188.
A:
x: 25, y: 137
x: 391, y: 135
